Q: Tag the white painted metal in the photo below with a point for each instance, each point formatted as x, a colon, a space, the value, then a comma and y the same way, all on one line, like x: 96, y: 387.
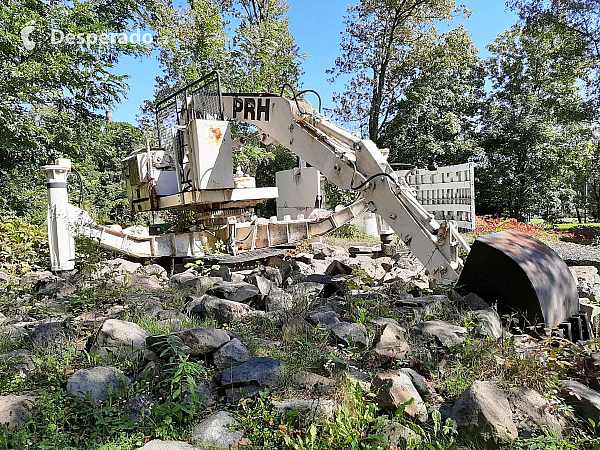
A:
x: 299, y: 190
x: 448, y: 192
x: 60, y: 233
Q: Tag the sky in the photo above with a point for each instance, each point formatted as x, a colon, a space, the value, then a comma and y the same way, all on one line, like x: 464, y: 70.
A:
x: 316, y: 26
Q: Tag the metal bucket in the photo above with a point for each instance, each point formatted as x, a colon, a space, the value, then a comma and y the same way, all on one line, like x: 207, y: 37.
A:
x: 520, y: 273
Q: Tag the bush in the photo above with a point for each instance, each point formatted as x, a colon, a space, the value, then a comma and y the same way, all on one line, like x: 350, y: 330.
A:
x: 23, y: 246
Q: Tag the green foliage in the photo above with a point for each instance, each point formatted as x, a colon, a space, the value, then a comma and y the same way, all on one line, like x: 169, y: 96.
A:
x: 23, y: 246
x: 349, y: 231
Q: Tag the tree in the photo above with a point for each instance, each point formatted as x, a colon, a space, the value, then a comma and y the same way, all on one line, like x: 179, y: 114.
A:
x: 535, y: 120
x: 581, y: 17
x: 377, y: 47
x: 435, y: 119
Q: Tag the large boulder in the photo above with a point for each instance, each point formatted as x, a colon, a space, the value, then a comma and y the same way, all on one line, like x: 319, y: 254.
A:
x: 231, y: 354
x: 308, y: 408
x: 483, y: 415
x: 584, y: 401
x: 97, y: 383
x: 218, y: 432
x: 14, y: 410
x: 194, y: 341
x: 120, y: 339
x: 446, y: 333
x: 394, y: 389
x: 223, y: 311
x: 278, y: 300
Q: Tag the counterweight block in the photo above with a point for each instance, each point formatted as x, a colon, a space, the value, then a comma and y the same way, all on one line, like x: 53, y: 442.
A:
x: 522, y: 274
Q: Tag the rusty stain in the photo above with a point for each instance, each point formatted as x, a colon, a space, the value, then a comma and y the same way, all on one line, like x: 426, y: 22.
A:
x: 215, y: 134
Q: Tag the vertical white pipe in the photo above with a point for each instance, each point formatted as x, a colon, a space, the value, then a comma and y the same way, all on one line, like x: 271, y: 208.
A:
x: 60, y: 233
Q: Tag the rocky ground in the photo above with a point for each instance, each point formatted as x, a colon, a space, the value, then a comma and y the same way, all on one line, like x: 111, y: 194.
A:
x: 321, y: 348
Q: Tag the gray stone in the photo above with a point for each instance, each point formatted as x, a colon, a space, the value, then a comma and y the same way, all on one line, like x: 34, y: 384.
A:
x: 309, y: 408
x: 139, y: 282
x: 532, y: 413
x: 296, y: 328
x: 120, y: 339
x: 312, y: 382
x: 35, y: 277
x: 14, y: 410
x: 155, y: 270
x: 223, y: 311
x: 326, y: 319
x: 19, y: 360
x: 490, y: 323
x: 406, y: 279
x: 216, y: 432
x: 194, y: 341
x: 263, y: 284
x: 158, y: 444
x: 395, y: 388
x: 446, y: 333
x: 203, y: 284
x: 278, y: 300
x: 8, y: 279
x: 231, y: 354
x: 586, y: 274
x: 186, y: 281
x: 237, y: 292
x: 392, y: 344
x: 338, y: 268
x: 207, y: 394
x: 274, y: 274
x: 138, y: 406
x: 49, y: 333
x: 261, y: 371
x: 483, y: 415
x: 97, y: 382
x: 223, y: 272
x: 584, y: 401
x: 419, y: 383
x: 235, y: 394
x: 399, y: 436
x: 383, y: 321
x: 58, y: 288
x: 305, y: 290
x: 354, y: 334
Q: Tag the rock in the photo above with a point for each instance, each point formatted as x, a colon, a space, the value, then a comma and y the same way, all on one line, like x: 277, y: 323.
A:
x: 382, y: 322
x: 274, y: 274
x: 8, y: 279
x: 207, y: 394
x: 223, y: 272
x: 139, y: 282
x: 231, y: 354
x: 52, y: 332
x: 326, y: 319
x: 186, y: 281
x: 305, y: 290
x: 278, y: 300
x: 584, y: 401
x: 237, y: 292
x: 406, y: 279
x: 392, y: 344
x: 483, y: 415
x: 593, y: 312
x: 119, y: 338
x: 313, y: 383
x: 216, y: 432
x: 120, y: 266
x: 305, y: 258
x: 309, y: 408
x: 444, y: 332
x: 36, y: 277
x: 351, y: 334
x: 223, y: 311
x: 296, y: 328
x: 399, y: 436
x: 393, y: 389
x: 14, y: 410
x: 158, y: 444
x: 58, y: 288
x: 473, y: 301
x: 155, y: 270
x: 317, y: 278
x: 531, y: 413
x: 586, y: 274
x: 419, y: 383
x: 261, y: 371
x: 97, y: 382
x: 490, y: 323
x: 263, y: 284
x: 138, y: 406
x: 203, y: 284
x: 338, y: 268
x: 196, y: 341
x: 149, y: 372
x: 18, y: 360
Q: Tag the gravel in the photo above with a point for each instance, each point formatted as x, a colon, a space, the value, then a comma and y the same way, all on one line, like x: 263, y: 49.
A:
x: 577, y: 254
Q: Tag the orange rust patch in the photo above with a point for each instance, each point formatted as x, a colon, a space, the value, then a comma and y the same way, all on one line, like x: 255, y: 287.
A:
x: 215, y: 134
